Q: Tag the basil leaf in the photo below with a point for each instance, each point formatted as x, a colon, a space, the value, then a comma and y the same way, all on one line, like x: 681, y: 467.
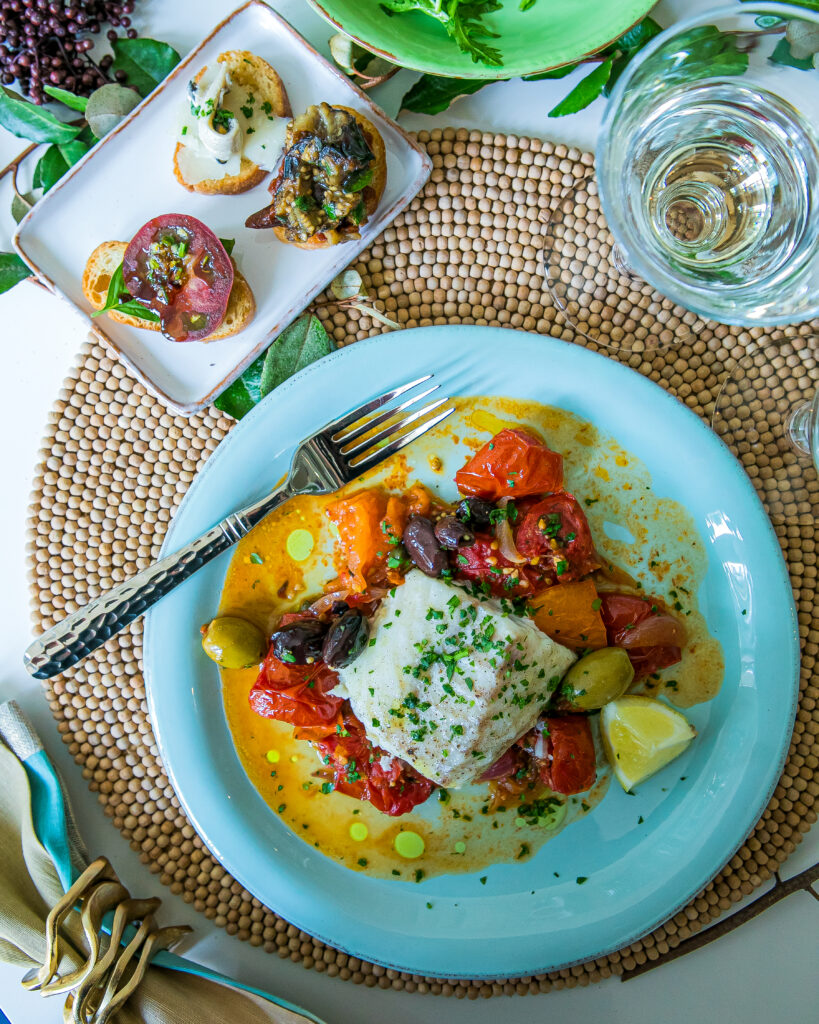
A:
x: 134, y: 308
x: 66, y: 97
x: 432, y: 94
x: 28, y: 121
x: 300, y: 344
x: 12, y: 270
x: 228, y: 243
x: 239, y: 398
x: 119, y: 298
x: 585, y: 92
x: 145, y: 62
x: 107, y: 106
x: 51, y: 166
x: 296, y: 347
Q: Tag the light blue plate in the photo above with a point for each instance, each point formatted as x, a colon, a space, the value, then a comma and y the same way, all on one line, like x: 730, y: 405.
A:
x: 524, y: 920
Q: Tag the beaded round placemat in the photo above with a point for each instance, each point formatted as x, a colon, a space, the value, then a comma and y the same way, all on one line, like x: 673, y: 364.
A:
x: 116, y: 463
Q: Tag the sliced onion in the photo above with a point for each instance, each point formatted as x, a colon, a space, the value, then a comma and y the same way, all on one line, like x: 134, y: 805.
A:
x: 506, y: 542
x: 326, y: 601
x: 540, y: 748
x: 655, y: 631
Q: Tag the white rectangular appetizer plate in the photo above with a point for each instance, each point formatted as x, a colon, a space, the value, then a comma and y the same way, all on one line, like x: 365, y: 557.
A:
x: 128, y: 178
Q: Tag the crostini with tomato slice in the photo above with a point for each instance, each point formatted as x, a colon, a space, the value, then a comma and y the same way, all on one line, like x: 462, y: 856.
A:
x: 174, y: 276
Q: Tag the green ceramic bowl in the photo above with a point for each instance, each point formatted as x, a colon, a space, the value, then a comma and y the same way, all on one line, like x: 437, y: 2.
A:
x: 549, y: 34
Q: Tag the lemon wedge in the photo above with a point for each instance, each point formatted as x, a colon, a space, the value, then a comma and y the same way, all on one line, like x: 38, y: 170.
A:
x: 642, y: 735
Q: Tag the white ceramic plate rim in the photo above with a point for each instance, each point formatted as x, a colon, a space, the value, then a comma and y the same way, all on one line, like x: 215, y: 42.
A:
x: 446, y: 959
x: 345, y: 254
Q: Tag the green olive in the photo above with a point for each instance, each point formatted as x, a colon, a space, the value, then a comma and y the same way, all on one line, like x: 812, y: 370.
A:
x: 599, y: 678
x: 233, y: 642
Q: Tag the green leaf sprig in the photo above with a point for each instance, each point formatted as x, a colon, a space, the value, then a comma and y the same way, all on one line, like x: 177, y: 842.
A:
x: 463, y: 21
x: 299, y: 345
x: 12, y: 270
x: 120, y: 299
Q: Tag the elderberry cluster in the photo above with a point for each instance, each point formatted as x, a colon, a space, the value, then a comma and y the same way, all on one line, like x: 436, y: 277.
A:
x: 45, y: 42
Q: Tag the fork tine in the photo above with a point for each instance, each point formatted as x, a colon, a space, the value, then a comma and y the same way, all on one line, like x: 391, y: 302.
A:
x: 392, y: 428
x: 359, y: 429
x: 374, y: 457
x: 349, y: 418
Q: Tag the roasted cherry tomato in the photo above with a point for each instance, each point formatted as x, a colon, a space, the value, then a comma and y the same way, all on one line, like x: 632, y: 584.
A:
x: 176, y: 266
x: 512, y: 465
x: 660, y: 636
x: 556, y: 531
x: 569, y: 766
x: 485, y: 566
x: 298, y: 694
x: 367, y: 772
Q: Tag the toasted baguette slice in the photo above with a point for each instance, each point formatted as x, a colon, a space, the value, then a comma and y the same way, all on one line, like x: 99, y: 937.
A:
x: 255, y: 75
x: 104, y: 261
x: 376, y: 144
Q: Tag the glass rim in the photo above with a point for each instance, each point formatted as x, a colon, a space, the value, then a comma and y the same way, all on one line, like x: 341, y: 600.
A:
x: 685, y: 297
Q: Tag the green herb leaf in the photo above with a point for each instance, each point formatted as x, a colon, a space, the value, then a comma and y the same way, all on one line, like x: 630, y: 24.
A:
x: 239, y: 398
x: 567, y: 69
x: 296, y: 347
x: 300, y: 344
x: 229, y: 244
x: 120, y: 299
x: 145, y: 62
x: 431, y: 94
x: 109, y: 105
x: 783, y: 54
x: 585, y: 92
x: 66, y: 97
x: 20, y: 205
x: 51, y: 166
x: 28, y: 121
x: 627, y: 46
x: 463, y: 22
x: 12, y: 270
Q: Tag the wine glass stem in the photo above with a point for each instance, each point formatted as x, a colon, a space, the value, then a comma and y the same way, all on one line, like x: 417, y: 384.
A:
x: 799, y: 427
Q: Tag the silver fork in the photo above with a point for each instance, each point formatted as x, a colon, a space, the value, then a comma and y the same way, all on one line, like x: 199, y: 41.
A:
x: 333, y: 456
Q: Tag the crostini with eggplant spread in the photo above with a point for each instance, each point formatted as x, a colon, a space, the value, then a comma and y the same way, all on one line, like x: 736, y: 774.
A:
x: 330, y: 181
x: 174, y: 276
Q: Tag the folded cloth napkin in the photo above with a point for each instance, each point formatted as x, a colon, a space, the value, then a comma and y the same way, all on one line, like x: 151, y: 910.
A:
x: 42, y: 857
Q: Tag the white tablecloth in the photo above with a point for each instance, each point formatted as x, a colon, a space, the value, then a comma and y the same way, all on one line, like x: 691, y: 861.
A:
x: 765, y: 970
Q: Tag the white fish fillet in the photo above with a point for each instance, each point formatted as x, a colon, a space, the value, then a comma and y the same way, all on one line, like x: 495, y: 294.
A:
x: 450, y: 681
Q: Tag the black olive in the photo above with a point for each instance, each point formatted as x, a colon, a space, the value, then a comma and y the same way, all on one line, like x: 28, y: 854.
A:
x: 299, y: 643
x: 423, y: 547
x: 452, y: 533
x: 346, y: 639
x: 475, y: 512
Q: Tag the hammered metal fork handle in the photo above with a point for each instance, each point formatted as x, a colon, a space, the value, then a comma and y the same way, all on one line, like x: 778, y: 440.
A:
x: 82, y: 632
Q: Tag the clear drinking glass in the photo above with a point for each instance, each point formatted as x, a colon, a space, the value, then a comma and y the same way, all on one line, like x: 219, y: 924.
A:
x: 708, y: 172
x: 708, y: 164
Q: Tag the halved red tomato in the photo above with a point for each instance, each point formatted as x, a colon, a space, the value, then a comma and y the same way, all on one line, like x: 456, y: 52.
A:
x: 512, y: 465
x: 556, y: 531
x: 569, y: 766
x: 659, y: 636
x: 484, y: 565
x: 176, y: 266
x: 367, y: 772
